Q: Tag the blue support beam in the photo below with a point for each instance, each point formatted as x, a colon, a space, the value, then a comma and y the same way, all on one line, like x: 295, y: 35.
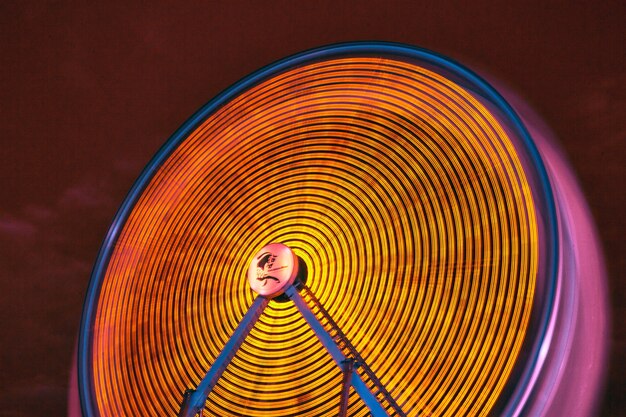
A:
x: 194, y: 400
x: 333, y: 350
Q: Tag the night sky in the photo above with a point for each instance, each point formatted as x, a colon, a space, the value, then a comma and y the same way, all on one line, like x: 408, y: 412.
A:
x: 91, y: 90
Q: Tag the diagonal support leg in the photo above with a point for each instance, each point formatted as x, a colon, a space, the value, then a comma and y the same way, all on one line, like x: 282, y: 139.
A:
x: 347, y: 367
x: 194, y: 400
x: 327, y: 341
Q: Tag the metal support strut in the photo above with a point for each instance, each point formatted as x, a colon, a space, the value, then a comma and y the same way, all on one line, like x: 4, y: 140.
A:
x: 194, y: 400
x: 327, y: 341
x: 346, y: 366
x: 341, y: 339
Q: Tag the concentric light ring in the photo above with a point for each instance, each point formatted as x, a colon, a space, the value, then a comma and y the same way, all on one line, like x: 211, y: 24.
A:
x: 414, y: 203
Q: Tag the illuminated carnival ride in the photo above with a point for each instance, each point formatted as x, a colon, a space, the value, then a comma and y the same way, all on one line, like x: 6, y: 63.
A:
x: 404, y: 238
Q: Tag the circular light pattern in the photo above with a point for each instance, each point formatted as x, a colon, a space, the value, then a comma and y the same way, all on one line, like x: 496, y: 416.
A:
x: 407, y: 200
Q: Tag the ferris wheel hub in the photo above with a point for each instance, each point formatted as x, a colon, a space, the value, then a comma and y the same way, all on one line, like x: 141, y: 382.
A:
x: 272, y: 270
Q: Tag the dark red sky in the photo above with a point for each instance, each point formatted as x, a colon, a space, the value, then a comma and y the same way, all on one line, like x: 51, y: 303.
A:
x: 90, y: 90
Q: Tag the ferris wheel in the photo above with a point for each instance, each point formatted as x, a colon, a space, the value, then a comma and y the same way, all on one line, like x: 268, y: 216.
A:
x: 360, y: 229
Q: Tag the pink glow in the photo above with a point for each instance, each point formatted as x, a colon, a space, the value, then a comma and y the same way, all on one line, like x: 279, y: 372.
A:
x: 573, y: 372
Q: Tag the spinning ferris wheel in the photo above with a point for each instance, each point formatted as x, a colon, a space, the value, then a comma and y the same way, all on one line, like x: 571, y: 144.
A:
x: 361, y: 229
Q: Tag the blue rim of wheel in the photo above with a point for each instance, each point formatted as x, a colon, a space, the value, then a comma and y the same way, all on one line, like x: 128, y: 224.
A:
x: 395, y: 50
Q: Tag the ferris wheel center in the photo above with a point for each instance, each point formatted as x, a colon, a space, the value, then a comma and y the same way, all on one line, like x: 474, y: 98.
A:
x: 272, y: 270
